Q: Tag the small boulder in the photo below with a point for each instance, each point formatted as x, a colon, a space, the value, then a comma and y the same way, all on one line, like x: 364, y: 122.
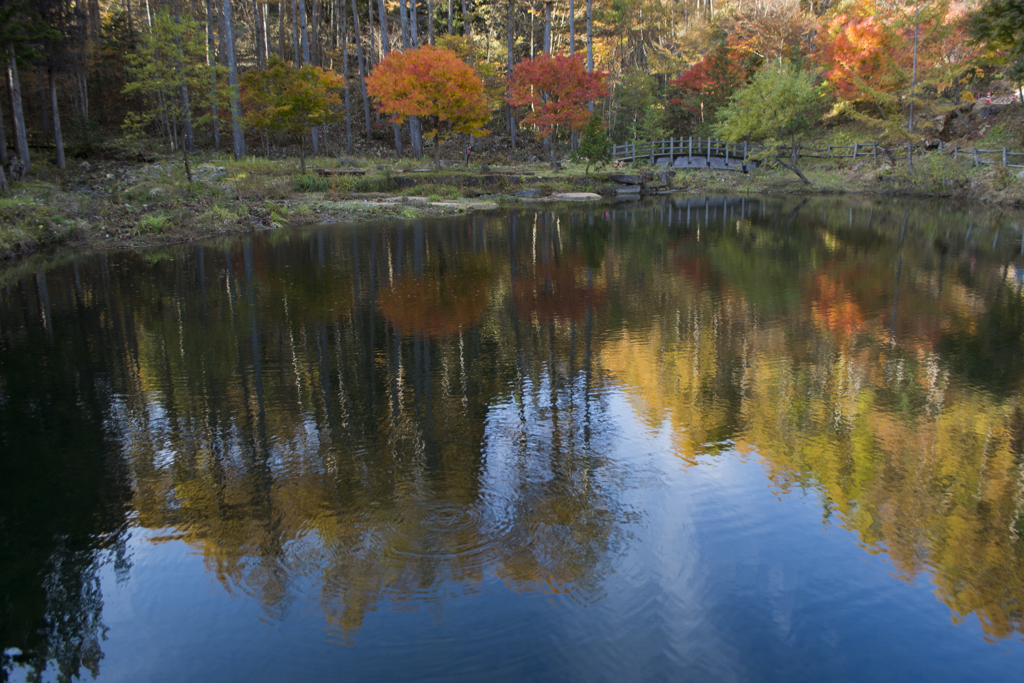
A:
x: 628, y: 189
x: 528, y: 194
x: 626, y: 178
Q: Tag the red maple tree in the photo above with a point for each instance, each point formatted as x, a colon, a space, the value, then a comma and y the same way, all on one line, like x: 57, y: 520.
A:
x: 557, y: 89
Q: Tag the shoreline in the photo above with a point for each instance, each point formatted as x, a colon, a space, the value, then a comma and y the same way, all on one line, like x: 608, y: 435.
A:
x: 121, y: 206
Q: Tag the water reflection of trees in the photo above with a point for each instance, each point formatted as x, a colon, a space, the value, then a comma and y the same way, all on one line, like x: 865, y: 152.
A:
x: 396, y: 413
x: 63, y: 491
x: 894, y: 396
x: 271, y: 419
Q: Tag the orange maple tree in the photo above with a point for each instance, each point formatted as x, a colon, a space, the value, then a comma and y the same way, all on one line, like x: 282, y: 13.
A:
x: 557, y: 89
x: 433, y: 84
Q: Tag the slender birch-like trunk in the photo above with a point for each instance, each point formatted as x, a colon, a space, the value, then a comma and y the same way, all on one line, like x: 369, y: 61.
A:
x: 210, y: 61
x: 237, y: 137
x: 58, y: 139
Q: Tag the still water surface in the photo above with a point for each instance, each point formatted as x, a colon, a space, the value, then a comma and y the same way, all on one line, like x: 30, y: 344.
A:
x: 689, y: 439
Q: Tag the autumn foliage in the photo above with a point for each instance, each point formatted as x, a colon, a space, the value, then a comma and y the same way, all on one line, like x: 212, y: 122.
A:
x: 435, y: 85
x: 706, y: 86
x: 285, y: 99
x: 557, y: 89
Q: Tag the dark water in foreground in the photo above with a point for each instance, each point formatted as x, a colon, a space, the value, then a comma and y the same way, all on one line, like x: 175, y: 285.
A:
x: 719, y: 441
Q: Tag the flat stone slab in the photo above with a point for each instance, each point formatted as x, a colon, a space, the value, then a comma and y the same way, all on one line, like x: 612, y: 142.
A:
x: 327, y: 172
x: 630, y: 189
x: 528, y: 194
x: 626, y: 178
x: 575, y: 196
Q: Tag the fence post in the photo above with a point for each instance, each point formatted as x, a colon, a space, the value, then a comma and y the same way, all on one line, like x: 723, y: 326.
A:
x: 709, y: 152
x: 855, y: 151
x: 744, y: 152
x: 910, y: 155
x: 652, y: 152
x: 689, y: 154
x: 975, y: 156
x: 1004, y: 157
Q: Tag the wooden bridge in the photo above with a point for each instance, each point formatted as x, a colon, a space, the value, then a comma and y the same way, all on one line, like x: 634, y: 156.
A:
x: 687, y: 153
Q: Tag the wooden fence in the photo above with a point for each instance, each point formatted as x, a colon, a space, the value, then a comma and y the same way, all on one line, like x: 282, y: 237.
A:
x: 672, y: 149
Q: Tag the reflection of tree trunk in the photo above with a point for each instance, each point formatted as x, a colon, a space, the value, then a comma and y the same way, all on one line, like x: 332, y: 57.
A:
x: 899, y: 272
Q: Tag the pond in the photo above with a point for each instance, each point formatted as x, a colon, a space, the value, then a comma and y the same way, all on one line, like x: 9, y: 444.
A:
x: 688, y: 438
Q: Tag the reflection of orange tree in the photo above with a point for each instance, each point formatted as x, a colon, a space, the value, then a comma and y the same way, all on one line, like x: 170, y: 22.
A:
x: 562, y: 291
x: 438, y: 306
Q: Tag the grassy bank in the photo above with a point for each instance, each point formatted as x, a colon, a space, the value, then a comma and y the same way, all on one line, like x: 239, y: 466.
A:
x: 127, y: 198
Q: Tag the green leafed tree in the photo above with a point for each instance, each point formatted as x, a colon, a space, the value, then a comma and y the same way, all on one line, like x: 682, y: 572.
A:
x: 999, y: 25
x: 594, y: 143
x: 171, y: 74
x: 285, y: 99
x: 777, y: 109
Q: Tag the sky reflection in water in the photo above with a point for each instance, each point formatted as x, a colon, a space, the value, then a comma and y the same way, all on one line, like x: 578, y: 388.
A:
x: 729, y: 440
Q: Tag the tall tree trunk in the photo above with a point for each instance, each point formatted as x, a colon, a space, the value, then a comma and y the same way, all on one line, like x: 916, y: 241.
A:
x: 467, y: 27
x: 128, y: 13
x: 362, y: 68
x: 44, y: 98
x: 237, y: 137
x: 94, y: 20
x: 21, y: 138
x: 404, y: 22
x: 210, y: 53
x: 385, y: 46
x: 414, y: 24
x: 280, y: 30
x: 189, y: 143
x: 344, y: 67
x: 58, y: 139
x: 590, y: 44
x: 590, y: 37
x: 315, y: 53
x: 371, y: 58
x: 222, y: 43
x: 257, y: 19
x: 3, y: 137
x: 382, y: 13
x: 511, y: 57
x: 450, y: 17
x: 415, y: 127
x: 295, y: 31
x: 430, y: 22
x: 547, y: 26
x: 305, y: 31
x: 572, y: 28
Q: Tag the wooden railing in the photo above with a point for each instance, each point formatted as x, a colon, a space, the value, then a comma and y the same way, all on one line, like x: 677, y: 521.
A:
x: 674, y: 148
